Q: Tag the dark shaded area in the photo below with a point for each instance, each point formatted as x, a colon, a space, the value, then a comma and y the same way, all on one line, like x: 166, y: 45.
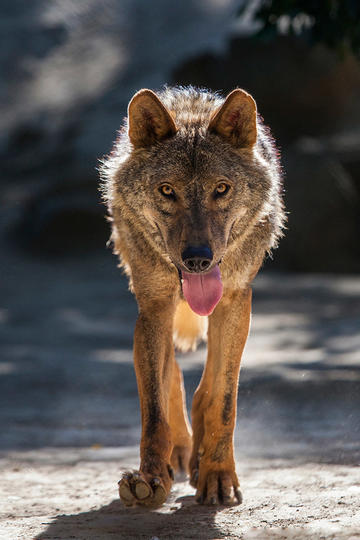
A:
x: 300, y: 90
x: 114, y: 520
x: 335, y: 24
x: 62, y: 221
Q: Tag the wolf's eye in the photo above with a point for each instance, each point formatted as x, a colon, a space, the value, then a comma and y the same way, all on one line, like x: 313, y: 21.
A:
x: 221, y: 189
x: 167, y: 191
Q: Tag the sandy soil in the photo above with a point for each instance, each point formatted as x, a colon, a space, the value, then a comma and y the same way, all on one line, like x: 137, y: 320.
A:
x: 70, y: 417
x: 79, y: 500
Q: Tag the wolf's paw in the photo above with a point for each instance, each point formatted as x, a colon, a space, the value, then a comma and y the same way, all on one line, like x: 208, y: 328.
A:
x: 180, y: 460
x: 216, y: 487
x: 140, y: 488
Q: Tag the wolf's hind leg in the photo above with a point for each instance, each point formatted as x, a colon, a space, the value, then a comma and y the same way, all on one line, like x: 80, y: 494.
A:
x: 179, y: 423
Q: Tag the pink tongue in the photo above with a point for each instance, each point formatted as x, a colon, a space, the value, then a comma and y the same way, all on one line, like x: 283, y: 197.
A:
x: 203, y: 291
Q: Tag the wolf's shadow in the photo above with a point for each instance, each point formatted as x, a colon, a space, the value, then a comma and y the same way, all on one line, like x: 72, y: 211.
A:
x: 190, y: 520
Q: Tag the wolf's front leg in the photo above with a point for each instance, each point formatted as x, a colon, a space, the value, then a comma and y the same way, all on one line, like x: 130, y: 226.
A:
x: 212, y: 463
x: 154, y: 360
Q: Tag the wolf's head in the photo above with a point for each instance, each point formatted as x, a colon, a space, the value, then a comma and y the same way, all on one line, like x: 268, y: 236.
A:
x: 195, y: 172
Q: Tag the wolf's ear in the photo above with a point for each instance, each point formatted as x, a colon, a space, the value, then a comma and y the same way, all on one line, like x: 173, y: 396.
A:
x: 235, y: 120
x: 149, y: 120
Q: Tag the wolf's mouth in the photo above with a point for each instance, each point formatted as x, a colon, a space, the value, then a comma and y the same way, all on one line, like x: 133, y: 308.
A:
x: 202, y: 291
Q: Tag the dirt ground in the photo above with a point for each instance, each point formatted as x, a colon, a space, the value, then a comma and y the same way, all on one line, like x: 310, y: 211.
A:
x: 70, y: 417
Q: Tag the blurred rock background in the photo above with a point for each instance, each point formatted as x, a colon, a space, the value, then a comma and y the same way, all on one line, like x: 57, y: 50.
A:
x: 69, y: 69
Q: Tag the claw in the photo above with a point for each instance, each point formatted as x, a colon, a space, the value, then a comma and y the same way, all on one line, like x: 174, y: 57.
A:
x: 155, y: 482
x: 200, y: 499
x: 171, y: 472
x: 238, y: 495
x: 194, y: 477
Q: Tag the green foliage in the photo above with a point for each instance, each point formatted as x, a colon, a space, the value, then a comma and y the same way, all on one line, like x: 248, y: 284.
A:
x: 335, y: 23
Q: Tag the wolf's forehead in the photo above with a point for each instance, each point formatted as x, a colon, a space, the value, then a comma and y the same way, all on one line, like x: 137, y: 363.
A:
x: 184, y: 168
x: 194, y: 158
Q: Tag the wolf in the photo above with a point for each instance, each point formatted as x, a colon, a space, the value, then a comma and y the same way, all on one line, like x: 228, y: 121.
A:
x: 193, y: 188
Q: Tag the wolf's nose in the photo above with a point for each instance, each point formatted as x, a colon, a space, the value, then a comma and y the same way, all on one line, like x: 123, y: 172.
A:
x: 197, y: 259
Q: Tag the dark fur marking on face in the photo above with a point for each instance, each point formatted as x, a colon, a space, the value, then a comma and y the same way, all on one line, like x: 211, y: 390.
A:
x: 165, y: 213
x: 193, y: 150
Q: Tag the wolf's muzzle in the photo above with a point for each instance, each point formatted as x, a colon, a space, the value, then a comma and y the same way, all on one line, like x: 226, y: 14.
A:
x: 197, y: 258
